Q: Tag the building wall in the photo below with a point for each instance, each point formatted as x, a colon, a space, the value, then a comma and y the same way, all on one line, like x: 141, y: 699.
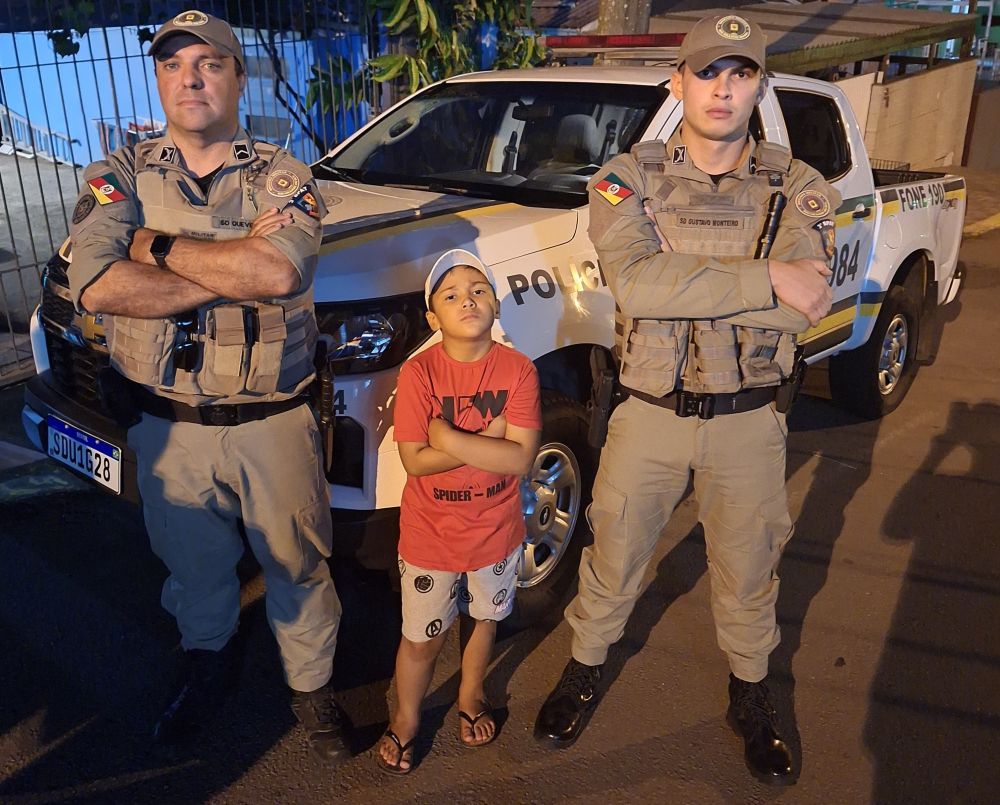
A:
x: 982, y: 152
x: 859, y: 92
x: 921, y: 118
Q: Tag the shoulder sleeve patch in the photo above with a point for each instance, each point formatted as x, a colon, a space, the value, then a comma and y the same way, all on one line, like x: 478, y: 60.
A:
x: 613, y: 189
x: 83, y: 208
x: 305, y: 199
x: 282, y: 183
x: 106, y: 188
x: 812, y: 204
x: 828, y: 234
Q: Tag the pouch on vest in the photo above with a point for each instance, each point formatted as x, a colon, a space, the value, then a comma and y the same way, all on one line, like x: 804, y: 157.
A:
x: 268, y: 347
x: 766, y: 356
x: 141, y: 348
x: 224, y: 368
x: 651, y: 353
x: 715, y: 357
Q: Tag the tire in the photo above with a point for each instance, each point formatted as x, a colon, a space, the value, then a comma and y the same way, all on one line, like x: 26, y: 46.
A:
x: 555, y: 495
x: 872, y: 380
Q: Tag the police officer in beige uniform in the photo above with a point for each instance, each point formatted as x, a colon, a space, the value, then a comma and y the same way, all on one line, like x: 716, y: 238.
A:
x: 199, y: 248
x: 706, y: 339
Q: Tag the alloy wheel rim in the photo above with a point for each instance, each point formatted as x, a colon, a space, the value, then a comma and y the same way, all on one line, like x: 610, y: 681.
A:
x: 892, y: 360
x: 551, y: 494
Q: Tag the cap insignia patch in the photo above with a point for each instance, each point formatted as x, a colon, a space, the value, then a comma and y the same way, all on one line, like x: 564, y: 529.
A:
x: 733, y: 27
x: 191, y: 19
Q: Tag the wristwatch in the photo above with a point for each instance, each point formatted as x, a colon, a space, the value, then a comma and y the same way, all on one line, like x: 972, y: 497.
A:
x: 160, y: 248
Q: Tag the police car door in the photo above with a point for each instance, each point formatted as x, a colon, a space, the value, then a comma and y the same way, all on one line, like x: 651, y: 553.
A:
x: 815, y: 129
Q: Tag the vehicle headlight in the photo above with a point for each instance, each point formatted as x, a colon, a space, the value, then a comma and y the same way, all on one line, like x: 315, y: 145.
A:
x: 372, y: 335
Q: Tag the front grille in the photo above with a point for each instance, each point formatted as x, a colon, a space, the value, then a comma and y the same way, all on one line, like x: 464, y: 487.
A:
x: 348, y: 454
x: 55, y: 308
x: 75, y: 369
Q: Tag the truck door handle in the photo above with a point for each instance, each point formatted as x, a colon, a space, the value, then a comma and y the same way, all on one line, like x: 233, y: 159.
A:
x: 861, y: 212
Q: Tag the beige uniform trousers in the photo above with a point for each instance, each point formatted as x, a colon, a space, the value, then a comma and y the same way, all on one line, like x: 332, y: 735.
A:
x: 197, y: 483
x: 738, y: 462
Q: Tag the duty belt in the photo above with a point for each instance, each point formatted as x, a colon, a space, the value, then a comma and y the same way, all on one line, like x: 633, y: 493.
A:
x: 217, y: 415
x: 706, y: 406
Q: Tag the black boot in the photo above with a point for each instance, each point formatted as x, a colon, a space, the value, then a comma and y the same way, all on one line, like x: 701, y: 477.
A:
x: 752, y: 717
x: 205, y: 678
x: 325, y: 723
x: 567, y: 709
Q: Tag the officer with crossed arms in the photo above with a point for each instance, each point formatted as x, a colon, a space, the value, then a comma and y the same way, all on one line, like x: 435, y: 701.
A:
x: 706, y: 339
x: 199, y: 248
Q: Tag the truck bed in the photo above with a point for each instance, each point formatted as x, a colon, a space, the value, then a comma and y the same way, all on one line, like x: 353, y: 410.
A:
x: 889, y: 176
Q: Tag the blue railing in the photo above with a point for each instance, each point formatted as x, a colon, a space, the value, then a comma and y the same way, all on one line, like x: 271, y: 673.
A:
x: 23, y: 135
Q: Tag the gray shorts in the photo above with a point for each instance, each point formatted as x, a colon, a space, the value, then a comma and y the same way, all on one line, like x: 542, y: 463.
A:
x: 432, y: 599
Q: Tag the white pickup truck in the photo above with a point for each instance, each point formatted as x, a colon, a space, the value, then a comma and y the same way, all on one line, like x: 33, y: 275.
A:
x: 497, y: 163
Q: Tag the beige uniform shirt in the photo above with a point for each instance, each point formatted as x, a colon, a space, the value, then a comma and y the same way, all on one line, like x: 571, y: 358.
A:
x: 147, y: 186
x: 705, y: 275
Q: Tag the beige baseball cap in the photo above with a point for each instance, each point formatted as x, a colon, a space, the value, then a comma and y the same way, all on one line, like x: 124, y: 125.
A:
x: 448, y: 261
x: 211, y: 30
x: 723, y: 35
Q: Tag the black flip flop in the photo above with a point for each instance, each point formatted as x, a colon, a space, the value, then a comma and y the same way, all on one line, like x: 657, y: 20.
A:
x: 396, y: 768
x: 473, y: 720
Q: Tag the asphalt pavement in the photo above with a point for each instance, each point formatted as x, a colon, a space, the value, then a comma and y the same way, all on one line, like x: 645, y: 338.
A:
x: 888, y: 670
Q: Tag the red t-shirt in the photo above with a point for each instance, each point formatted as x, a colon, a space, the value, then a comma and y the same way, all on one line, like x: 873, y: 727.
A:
x: 465, y: 518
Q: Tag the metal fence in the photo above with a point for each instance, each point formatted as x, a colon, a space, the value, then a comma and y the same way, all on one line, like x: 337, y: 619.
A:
x: 67, y: 98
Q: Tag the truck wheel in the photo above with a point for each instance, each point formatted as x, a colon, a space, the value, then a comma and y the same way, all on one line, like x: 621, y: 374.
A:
x: 873, y: 379
x: 554, y: 495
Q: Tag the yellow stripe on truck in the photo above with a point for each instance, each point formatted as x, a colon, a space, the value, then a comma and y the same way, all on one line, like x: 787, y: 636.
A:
x: 832, y: 322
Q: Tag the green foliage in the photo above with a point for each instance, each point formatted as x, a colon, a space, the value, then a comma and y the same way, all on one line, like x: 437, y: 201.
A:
x: 72, y: 21
x: 436, y: 38
x: 335, y: 86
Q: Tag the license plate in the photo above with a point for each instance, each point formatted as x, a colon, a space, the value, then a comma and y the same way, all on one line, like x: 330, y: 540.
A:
x: 95, y: 458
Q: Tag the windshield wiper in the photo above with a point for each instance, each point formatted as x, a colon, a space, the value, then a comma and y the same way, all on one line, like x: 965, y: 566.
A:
x: 438, y: 187
x: 335, y: 173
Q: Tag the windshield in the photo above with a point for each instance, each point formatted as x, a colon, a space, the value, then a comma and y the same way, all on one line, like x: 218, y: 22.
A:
x: 534, y: 143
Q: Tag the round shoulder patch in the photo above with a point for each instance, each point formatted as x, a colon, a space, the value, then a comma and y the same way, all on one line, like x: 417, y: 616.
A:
x: 281, y: 183
x: 83, y: 207
x: 191, y: 19
x: 812, y: 203
x: 733, y: 27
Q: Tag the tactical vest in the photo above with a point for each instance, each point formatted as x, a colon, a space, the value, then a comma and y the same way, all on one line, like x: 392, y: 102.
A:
x: 258, y: 350
x: 657, y: 356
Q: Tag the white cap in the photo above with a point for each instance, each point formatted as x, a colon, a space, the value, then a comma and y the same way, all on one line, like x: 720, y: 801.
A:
x: 446, y: 262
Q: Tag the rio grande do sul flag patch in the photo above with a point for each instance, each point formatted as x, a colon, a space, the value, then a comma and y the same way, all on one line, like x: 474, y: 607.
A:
x: 106, y: 189
x: 613, y: 189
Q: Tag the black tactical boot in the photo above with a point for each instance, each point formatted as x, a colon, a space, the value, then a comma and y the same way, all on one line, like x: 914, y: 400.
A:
x: 568, y: 707
x: 325, y: 723
x: 752, y: 717
x: 205, y: 678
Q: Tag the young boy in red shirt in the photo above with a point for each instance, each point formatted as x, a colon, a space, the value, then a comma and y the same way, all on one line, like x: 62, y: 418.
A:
x: 467, y: 421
